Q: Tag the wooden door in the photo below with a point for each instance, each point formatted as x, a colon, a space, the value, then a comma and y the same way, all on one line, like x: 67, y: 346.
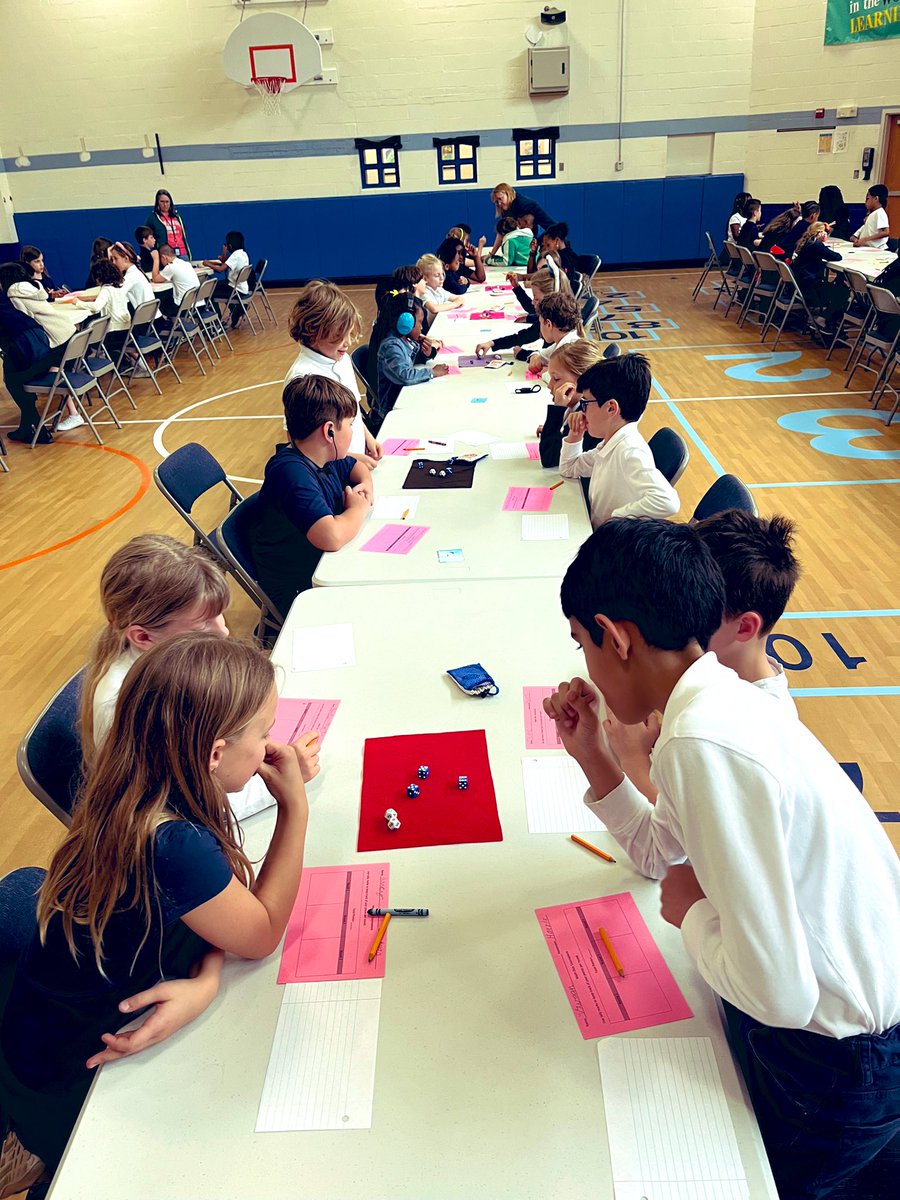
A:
x: 891, y: 173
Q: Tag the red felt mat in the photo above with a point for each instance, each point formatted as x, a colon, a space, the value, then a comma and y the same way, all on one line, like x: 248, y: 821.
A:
x: 441, y: 814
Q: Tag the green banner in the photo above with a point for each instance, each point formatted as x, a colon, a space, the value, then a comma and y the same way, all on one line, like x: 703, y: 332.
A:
x: 861, y: 20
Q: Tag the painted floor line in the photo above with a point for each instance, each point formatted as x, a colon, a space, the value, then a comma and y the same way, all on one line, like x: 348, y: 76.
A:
x: 769, y: 396
x: 821, y: 483
x: 846, y: 691
x: 839, y: 614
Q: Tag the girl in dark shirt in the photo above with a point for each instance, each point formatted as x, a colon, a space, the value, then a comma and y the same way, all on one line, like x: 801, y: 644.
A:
x: 834, y: 212
x: 149, y: 878
x: 826, y: 298
x: 457, y: 275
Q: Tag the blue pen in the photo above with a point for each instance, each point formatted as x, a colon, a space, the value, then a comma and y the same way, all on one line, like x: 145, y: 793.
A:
x: 397, y: 912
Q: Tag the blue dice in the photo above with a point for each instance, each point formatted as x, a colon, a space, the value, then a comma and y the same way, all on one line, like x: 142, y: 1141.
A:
x: 412, y: 791
x: 420, y: 464
x: 423, y: 772
x: 462, y: 782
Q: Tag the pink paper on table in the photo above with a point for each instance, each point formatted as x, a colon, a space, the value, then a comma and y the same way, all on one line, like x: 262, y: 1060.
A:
x: 293, y: 717
x: 452, y: 369
x: 602, y: 1001
x: 540, y: 732
x: 534, y: 450
x: 488, y: 315
x: 533, y: 376
x: 496, y: 288
x: 527, y: 499
x: 457, y: 316
x: 396, y: 539
x: 329, y: 933
x: 449, y: 350
x: 399, y: 445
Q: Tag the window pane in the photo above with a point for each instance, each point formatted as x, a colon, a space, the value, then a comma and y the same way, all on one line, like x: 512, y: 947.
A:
x: 544, y: 168
x: 370, y: 156
x: 371, y: 176
x: 544, y: 146
x: 467, y: 171
x: 466, y: 151
x: 387, y: 154
x: 448, y: 173
x: 526, y: 148
x: 389, y: 175
x: 448, y: 153
x: 526, y: 170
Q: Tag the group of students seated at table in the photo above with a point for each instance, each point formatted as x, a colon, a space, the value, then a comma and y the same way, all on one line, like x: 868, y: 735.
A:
x: 798, y: 235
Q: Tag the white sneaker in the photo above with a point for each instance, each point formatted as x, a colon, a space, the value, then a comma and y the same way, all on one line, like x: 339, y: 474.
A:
x: 73, y: 421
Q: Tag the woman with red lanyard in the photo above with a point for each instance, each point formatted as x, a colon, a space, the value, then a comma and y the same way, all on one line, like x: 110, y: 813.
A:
x: 167, y: 224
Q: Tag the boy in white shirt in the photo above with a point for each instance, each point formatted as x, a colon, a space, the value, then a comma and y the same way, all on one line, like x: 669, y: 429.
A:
x: 177, y: 271
x: 435, y: 297
x: 789, y: 902
x: 559, y: 320
x: 233, y: 259
x: 876, y: 229
x: 624, y: 479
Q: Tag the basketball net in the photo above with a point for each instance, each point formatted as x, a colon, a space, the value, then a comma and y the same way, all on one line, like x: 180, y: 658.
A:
x: 269, y: 88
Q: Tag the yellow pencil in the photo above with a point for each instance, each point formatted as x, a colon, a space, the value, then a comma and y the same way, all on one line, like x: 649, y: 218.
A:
x: 593, y: 849
x: 405, y: 515
x: 612, y: 954
x: 382, y: 930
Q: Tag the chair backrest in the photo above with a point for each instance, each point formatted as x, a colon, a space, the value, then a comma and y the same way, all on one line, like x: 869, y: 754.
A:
x: 576, y: 282
x: 670, y: 453
x: 360, y: 359
x: 188, y: 300
x: 765, y: 261
x: 233, y: 538
x: 787, y: 275
x: 589, y: 310
x: 260, y: 270
x: 745, y: 254
x: 712, y: 245
x: 186, y: 475
x: 732, y: 251
x: 49, y: 756
x: 588, y: 264
x: 884, y: 301
x: 206, y: 289
x: 97, y: 330
x: 243, y: 275
x: 75, y: 347
x: 144, y: 313
x: 727, y: 492
x: 859, y: 284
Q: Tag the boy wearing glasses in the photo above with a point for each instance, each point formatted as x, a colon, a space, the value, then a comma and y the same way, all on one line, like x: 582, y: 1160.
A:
x: 624, y: 478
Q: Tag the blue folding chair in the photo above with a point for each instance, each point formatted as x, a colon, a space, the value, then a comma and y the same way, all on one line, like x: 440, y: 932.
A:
x: 69, y: 383
x: 727, y: 492
x: 186, y: 475
x: 233, y: 539
x: 144, y: 339
x: 49, y: 757
x: 670, y: 454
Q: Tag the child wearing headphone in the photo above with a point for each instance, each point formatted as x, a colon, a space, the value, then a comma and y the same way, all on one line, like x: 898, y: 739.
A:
x: 402, y: 344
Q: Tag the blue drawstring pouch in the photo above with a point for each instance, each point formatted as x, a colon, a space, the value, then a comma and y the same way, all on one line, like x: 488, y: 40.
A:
x: 473, y: 680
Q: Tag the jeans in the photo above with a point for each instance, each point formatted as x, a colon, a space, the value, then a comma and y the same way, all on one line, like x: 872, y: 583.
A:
x: 825, y: 1106
x: 18, y: 909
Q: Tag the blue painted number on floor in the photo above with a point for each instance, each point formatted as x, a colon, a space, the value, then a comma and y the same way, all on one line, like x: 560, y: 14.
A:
x: 751, y: 372
x: 841, y: 443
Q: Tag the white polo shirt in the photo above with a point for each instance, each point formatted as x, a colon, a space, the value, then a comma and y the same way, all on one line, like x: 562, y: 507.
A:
x: 623, y: 475
x: 801, y: 921
x: 182, y: 277
x: 235, y: 262
x: 776, y: 686
x: 310, y: 362
x: 874, y: 223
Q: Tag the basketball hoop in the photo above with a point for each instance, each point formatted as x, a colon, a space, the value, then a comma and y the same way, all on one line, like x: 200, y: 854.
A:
x: 269, y: 88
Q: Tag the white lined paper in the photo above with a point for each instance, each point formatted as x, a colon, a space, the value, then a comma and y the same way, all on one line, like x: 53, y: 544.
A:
x: 321, y: 646
x: 509, y: 450
x: 554, y: 796
x: 671, y: 1135
x: 545, y: 527
x: 321, y: 1072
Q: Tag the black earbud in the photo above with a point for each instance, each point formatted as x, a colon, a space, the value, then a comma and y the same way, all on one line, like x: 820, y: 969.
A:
x: 331, y: 434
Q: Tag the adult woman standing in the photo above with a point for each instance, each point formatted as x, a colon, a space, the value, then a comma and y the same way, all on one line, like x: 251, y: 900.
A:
x: 167, y: 224
x: 510, y: 203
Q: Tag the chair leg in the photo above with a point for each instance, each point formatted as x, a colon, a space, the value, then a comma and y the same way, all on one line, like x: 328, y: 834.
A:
x: 789, y: 308
x: 700, y: 282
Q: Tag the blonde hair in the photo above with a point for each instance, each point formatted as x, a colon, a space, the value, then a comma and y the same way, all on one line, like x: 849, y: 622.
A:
x: 323, y: 313
x: 146, y: 582
x: 579, y: 356
x: 810, y: 236
x: 501, y: 189
x: 428, y: 262
x: 176, y: 702
x: 547, y: 282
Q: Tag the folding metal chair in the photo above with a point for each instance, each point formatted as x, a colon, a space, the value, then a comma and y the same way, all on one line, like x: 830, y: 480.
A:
x: 727, y: 492
x: 233, y: 539
x: 186, y: 475
x: 588, y: 265
x: 790, y: 299
x: 49, y: 757
x: 207, y: 314
x: 68, y: 383
x: 872, y: 341
x: 855, y: 318
x: 885, y: 384
x: 241, y: 300
x: 99, y: 362
x: 360, y: 359
x: 186, y: 330
x: 144, y: 339
x: 761, y: 293
x: 711, y: 264
x: 259, y: 292
x: 590, y: 312
x: 576, y: 282
x: 743, y: 281
x: 670, y: 453
x: 4, y: 466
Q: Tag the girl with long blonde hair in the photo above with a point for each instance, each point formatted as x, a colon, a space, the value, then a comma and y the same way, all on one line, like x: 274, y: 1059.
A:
x: 152, y: 589
x: 150, y: 875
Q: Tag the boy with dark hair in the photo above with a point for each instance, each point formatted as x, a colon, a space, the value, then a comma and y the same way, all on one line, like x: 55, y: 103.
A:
x: 559, y: 322
x: 624, y: 479
x: 149, y: 254
x: 314, y: 497
x: 876, y: 229
x: 789, y: 898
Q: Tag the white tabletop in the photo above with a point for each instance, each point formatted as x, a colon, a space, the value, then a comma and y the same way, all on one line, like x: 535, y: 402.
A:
x: 864, y: 259
x: 484, y: 1086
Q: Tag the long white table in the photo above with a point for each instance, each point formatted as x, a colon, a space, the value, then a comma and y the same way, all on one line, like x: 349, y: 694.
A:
x: 484, y: 1086
x: 864, y: 259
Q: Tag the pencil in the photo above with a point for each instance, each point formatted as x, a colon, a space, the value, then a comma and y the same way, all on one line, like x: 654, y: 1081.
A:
x: 593, y: 849
x: 382, y: 930
x: 405, y: 515
x: 612, y: 954
x: 413, y: 449
x: 312, y: 741
x: 554, y: 486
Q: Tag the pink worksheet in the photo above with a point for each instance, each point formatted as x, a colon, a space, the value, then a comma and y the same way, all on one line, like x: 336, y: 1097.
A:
x: 450, y: 350
x: 488, y: 315
x: 400, y: 445
x: 396, y: 539
x: 533, y: 376
x: 603, y: 1001
x: 527, y: 499
x: 293, y: 717
x: 452, y: 369
x: 329, y: 933
x: 457, y: 316
x: 540, y: 731
x: 534, y: 450
x: 497, y: 289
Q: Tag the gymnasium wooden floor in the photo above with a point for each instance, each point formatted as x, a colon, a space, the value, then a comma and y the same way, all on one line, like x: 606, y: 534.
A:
x: 783, y: 423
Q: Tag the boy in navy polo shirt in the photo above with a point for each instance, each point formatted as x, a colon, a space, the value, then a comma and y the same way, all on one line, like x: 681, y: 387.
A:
x: 314, y: 497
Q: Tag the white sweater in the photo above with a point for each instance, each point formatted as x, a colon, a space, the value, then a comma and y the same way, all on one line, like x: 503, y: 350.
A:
x: 252, y: 798
x: 112, y: 302
x: 623, y: 475
x: 59, y: 321
x: 310, y: 362
x: 801, y: 922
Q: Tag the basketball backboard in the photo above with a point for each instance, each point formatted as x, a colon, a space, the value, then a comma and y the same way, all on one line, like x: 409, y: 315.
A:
x: 272, y: 45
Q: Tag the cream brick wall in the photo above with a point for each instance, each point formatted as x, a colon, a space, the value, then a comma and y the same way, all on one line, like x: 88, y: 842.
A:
x: 794, y: 71
x: 112, y: 71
